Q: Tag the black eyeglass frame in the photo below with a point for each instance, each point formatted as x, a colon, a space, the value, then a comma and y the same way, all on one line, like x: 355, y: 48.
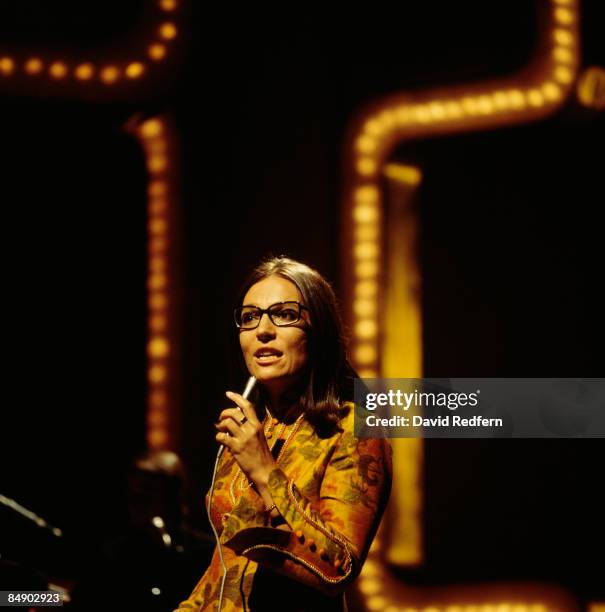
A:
x: 262, y: 311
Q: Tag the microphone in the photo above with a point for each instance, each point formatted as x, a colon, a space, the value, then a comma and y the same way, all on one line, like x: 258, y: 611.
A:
x: 249, y: 386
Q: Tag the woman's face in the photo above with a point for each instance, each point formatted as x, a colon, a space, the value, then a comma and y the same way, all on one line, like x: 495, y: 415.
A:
x: 276, y: 355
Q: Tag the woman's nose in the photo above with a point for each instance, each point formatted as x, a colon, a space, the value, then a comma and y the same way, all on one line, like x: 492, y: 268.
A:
x: 265, y: 326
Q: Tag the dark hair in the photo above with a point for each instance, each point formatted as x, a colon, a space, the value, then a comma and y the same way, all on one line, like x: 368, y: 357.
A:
x: 330, y: 375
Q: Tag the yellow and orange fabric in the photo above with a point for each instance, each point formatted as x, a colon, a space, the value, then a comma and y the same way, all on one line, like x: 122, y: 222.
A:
x: 330, y: 491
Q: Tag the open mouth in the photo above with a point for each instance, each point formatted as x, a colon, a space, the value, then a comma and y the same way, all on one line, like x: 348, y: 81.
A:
x: 265, y: 355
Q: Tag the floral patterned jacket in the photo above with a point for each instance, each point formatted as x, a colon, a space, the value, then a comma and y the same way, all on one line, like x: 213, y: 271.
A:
x: 330, y: 491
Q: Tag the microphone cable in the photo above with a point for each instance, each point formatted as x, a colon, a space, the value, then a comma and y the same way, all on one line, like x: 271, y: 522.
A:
x: 249, y: 386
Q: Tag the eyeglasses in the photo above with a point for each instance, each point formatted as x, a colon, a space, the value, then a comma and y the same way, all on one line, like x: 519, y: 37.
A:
x: 281, y: 314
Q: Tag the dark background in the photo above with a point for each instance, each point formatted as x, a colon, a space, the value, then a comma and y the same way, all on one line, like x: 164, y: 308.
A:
x: 511, y: 255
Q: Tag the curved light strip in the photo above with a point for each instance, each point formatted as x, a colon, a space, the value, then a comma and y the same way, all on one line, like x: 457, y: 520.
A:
x: 386, y: 593
x: 133, y: 65
x: 536, y: 92
x: 420, y: 114
x: 153, y: 136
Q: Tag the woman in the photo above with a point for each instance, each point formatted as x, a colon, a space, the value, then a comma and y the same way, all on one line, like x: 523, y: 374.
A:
x: 298, y: 498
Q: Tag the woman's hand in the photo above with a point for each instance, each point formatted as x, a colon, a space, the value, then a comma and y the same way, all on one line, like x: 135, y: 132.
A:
x: 242, y: 433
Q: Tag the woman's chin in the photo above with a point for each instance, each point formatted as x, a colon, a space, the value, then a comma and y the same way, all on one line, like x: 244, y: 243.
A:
x: 273, y: 380
x: 266, y: 376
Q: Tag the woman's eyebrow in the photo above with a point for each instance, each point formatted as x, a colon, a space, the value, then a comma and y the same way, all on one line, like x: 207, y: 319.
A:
x: 269, y: 306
